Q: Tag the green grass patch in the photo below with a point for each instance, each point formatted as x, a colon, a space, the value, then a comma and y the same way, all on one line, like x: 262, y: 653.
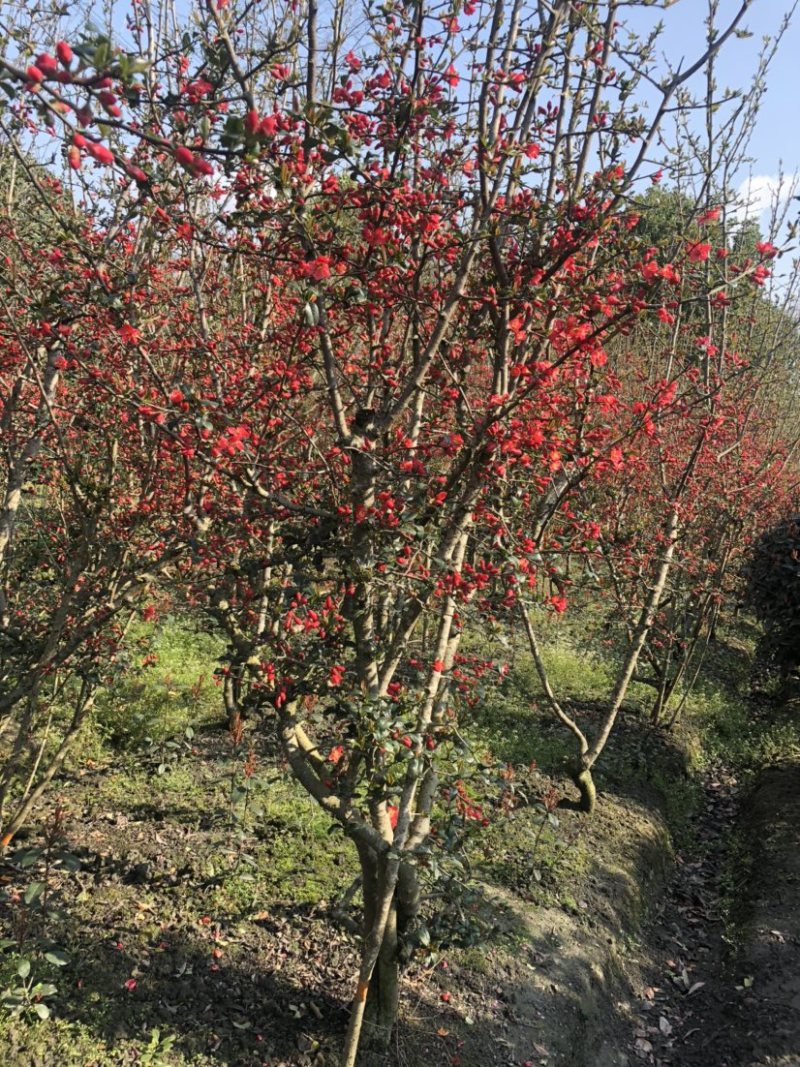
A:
x: 166, y: 683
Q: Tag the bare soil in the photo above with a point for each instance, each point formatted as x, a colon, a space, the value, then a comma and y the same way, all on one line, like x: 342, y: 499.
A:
x: 719, y: 984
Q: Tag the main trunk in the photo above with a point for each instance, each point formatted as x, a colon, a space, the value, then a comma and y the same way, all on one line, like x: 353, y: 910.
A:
x: 381, y: 1008
x: 382, y: 999
x: 582, y: 777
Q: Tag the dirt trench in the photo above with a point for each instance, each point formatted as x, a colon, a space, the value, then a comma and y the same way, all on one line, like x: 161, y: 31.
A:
x: 719, y: 971
x: 711, y: 978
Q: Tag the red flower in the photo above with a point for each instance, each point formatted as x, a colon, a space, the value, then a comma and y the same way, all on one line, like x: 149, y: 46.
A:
x: 64, y: 53
x: 336, y: 676
x: 760, y: 274
x: 202, y: 166
x: 137, y: 174
x: 318, y: 269
x: 185, y: 157
x: 698, y: 251
x: 129, y: 333
x: 709, y: 216
x: 252, y: 121
x: 47, y: 63
x: 99, y: 152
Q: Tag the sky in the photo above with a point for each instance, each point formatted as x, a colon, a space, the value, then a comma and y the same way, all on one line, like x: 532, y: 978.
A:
x: 775, y: 145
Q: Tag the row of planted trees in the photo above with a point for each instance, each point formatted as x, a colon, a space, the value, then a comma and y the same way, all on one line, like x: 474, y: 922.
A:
x: 363, y: 331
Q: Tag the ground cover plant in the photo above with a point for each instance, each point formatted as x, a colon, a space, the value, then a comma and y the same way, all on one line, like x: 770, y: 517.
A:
x: 365, y: 348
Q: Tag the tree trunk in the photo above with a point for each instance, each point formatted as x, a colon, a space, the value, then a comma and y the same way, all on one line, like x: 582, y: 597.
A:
x: 384, y: 989
x: 582, y: 777
x: 380, y: 1011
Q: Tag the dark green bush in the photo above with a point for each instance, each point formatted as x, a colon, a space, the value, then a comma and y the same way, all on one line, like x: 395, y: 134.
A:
x: 773, y: 593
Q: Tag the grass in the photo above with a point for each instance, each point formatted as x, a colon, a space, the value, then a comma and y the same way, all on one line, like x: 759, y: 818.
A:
x: 73, y: 1044
x: 165, y: 684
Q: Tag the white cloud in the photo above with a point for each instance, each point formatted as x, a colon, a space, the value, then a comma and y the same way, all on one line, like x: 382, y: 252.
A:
x: 761, y: 194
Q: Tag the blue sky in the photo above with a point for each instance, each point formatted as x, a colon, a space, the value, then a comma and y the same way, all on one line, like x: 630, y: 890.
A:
x: 777, y: 137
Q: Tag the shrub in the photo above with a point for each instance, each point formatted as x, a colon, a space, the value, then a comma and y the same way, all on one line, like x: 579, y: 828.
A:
x: 773, y: 593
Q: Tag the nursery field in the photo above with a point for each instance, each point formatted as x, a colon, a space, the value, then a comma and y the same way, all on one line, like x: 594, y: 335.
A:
x: 399, y: 533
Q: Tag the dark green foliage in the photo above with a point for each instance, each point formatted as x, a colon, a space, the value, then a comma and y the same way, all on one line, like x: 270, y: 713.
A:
x: 773, y: 593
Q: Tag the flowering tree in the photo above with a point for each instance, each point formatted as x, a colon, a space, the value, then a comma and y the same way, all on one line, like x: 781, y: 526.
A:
x: 90, y: 513
x: 386, y: 277
x: 702, y: 385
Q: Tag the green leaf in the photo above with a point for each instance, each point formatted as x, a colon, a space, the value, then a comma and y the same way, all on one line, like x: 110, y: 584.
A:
x: 33, y: 892
x: 57, y: 957
x: 27, y: 859
x: 102, y: 54
x: 68, y: 860
x: 42, y: 1011
x: 24, y: 968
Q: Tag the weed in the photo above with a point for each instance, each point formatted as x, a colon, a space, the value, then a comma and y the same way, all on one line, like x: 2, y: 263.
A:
x: 153, y: 1054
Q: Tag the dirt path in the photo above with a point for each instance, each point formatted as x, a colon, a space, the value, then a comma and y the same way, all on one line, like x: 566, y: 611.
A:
x: 722, y: 985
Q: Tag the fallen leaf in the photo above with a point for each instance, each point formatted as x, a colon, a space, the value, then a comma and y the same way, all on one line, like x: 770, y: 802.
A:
x: 694, y: 988
x: 643, y: 1047
x: 665, y: 1026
